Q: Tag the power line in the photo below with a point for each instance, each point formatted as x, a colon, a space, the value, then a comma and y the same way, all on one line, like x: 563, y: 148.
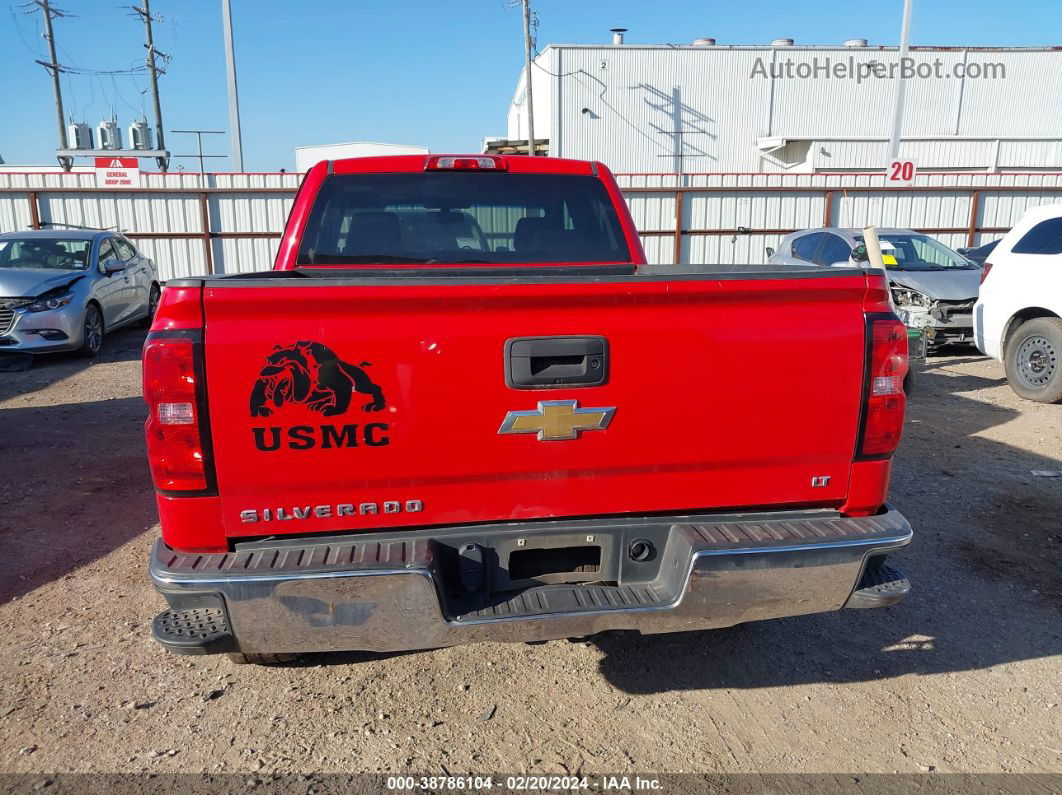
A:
x: 73, y: 70
x: 18, y: 30
x: 120, y: 97
x: 71, y: 66
x: 92, y: 98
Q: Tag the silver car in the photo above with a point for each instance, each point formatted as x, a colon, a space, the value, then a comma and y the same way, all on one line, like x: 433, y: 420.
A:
x: 63, y: 289
x: 934, y: 287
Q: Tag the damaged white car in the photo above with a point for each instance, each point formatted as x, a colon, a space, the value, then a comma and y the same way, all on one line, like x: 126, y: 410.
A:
x: 934, y: 287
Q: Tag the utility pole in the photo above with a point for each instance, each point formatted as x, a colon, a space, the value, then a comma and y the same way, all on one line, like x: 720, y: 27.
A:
x: 901, y: 87
x: 53, y: 67
x: 154, y: 70
x: 234, y: 97
x: 527, y: 69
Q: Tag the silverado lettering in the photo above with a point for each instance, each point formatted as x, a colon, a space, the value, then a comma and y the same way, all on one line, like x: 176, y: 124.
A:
x: 305, y: 437
x: 460, y: 292
x: 327, y: 511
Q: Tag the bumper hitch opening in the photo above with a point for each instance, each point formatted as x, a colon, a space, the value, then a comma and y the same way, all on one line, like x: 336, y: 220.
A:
x: 529, y: 564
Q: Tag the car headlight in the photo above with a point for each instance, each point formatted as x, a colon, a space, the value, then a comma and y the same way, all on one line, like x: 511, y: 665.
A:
x: 905, y: 297
x: 46, y: 302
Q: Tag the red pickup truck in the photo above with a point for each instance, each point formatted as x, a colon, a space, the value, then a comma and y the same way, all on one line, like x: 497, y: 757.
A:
x: 459, y: 408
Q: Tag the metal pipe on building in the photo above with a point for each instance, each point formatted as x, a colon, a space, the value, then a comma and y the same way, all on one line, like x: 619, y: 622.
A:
x: 617, y: 35
x: 961, y: 93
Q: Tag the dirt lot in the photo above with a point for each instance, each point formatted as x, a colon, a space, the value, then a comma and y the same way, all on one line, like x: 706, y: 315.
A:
x: 964, y: 676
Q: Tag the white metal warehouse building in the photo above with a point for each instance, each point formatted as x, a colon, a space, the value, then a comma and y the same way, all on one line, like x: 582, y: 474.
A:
x: 710, y: 108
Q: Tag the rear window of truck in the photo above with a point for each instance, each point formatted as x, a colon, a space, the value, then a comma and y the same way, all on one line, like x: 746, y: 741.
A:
x: 463, y: 218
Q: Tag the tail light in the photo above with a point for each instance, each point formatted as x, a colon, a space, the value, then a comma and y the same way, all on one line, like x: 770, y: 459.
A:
x: 884, y: 401
x: 466, y: 163
x: 984, y: 271
x: 176, y: 428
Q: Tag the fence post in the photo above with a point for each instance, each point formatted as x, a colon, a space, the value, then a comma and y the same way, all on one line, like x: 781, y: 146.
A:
x: 679, y: 193
x: 204, y: 216
x: 975, y: 206
x: 35, y: 210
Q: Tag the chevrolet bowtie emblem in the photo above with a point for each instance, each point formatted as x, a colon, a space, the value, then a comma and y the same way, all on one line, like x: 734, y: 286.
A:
x: 554, y: 420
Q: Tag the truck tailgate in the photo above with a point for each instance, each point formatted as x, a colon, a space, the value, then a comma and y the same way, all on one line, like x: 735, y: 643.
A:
x: 356, y: 404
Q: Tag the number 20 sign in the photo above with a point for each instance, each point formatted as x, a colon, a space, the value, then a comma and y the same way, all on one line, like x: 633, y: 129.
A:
x: 901, y: 172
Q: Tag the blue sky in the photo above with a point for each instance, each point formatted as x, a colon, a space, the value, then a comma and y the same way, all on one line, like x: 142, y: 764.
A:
x: 438, y: 74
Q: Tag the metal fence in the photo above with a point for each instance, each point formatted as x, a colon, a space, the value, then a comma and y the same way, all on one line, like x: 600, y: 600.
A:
x: 189, y: 224
x: 227, y: 223
x: 733, y: 218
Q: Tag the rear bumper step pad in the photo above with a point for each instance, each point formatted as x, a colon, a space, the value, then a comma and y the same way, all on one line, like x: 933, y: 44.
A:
x: 882, y: 585
x: 398, y: 591
x: 196, y: 630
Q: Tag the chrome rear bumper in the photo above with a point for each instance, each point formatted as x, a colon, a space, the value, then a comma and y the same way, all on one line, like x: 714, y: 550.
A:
x: 420, y: 590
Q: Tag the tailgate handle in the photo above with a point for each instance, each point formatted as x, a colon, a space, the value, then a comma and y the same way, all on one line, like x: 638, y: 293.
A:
x: 544, y: 362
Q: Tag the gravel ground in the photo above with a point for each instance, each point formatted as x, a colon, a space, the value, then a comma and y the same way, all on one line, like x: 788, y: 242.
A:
x: 963, y: 676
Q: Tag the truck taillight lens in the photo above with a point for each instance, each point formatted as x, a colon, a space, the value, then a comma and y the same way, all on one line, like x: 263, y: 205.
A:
x: 175, y: 427
x: 984, y: 271
x: 884, y: 400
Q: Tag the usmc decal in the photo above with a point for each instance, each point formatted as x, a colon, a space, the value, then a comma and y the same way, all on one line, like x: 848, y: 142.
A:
x: 311, y: 374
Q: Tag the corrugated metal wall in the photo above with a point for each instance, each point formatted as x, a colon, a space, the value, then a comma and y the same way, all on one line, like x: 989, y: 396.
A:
x: 232, y: 222
x: 641, y: 108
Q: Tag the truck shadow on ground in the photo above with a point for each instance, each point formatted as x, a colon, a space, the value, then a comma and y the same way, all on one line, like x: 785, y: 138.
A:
x: 121, y: 346
x: 984, y: 569
x: 839, y: 648
x: 983, y: 565
x: 74, y: 484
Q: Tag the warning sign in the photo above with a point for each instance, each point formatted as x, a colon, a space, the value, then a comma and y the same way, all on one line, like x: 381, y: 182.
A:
x: 117, y: 172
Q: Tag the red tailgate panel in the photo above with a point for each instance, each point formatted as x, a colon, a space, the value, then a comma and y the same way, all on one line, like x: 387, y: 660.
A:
x: 727, y: 394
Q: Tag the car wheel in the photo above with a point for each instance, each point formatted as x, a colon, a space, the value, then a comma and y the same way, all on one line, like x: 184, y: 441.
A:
x: 92, y: 343
x: 1034, y: 360
x: 153, y: 304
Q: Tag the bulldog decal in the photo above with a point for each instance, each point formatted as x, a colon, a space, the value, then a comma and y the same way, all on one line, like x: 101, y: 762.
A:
x: 311, y: 374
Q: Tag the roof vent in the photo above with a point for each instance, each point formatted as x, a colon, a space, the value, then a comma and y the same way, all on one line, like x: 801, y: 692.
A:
x: 707, y: 41
x: 855, y: 43
x: 782, y: 43
x: 617, y: 35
